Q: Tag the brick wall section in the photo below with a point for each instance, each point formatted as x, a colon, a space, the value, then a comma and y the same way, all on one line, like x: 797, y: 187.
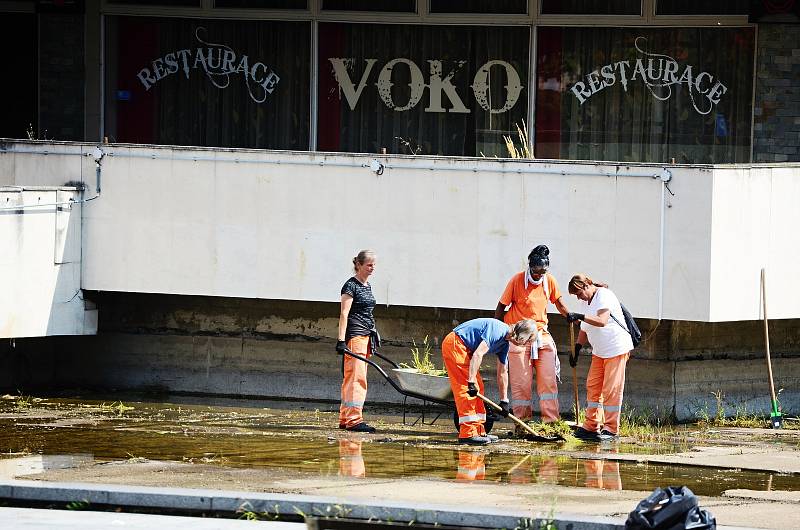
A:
x: 776, y: 115
x: 61, y: 77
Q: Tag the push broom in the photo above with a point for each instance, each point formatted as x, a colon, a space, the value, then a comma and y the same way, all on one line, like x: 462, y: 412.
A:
x: 775, y: 416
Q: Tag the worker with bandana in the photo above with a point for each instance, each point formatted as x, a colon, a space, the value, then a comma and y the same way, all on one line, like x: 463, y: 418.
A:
x: 527, y: 296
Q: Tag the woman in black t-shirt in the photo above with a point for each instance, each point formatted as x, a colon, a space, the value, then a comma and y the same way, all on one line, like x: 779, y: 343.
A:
x: 356, y: 332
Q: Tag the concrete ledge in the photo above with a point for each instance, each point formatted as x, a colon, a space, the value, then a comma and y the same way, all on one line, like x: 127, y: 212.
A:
x: 230, y: 501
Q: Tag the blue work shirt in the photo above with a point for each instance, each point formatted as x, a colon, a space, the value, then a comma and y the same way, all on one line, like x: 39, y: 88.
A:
x: 489, y: 330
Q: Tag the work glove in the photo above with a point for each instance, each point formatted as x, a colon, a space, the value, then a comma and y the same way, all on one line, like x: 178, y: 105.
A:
x: 341, y: 346
x: 504, y: 411
x: 573, y: 356
x: 472, y: 389
x: 574, y: 317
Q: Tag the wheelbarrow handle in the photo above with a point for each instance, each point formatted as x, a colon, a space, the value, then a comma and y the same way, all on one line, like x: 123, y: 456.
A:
x: 388, y: 360
x: 370, y: 362
x: 392, y: 382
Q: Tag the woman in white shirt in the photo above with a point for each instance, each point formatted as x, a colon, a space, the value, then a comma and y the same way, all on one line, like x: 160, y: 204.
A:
x: 611, y: 347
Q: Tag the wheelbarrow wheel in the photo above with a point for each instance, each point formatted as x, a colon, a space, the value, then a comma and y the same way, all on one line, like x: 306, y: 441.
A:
x: 491, y: 417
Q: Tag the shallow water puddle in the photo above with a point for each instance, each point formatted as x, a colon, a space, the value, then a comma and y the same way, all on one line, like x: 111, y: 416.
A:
x: 59, y: 434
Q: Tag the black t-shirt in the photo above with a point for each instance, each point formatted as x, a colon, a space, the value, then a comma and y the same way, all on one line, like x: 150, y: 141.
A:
x: 360, y: 321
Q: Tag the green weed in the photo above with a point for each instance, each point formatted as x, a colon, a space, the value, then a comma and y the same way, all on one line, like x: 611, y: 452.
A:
x: 421, y: 359
x: 645, y: 425
x: 741, y: 417
x: 555, y: 428
x: 78, y: 505
x: 117, y: 407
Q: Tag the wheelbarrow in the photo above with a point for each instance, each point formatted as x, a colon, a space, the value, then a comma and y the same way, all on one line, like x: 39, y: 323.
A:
x: 435, y: 389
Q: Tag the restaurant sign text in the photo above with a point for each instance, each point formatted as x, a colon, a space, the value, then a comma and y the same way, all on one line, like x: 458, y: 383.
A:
x: 438, y: 84
x: 218, y: 62
x: 659, y: 73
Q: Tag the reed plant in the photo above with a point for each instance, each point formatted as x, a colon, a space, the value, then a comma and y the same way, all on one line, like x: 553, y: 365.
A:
x: 524, y: 149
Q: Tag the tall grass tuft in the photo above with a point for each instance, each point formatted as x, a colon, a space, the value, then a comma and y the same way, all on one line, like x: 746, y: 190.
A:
x: 524, y: 150
x: 421, y: 359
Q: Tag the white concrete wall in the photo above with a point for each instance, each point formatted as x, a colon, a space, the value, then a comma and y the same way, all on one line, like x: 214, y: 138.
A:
x: 445, y: 238
x: 40, y: 265
x: 279, y: 225
x: 755, y: 224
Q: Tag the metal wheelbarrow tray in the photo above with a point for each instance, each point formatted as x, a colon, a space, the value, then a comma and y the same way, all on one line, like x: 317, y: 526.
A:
x: 435, y: 386
x: 410, y: 383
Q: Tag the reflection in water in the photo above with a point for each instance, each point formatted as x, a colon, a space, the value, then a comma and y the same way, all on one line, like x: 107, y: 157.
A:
x: 548, y: 471
x: 275, y: 439
x: 21, y: 466
x: 602, y: 474
x: 351, y: 461
x: 471, y: 466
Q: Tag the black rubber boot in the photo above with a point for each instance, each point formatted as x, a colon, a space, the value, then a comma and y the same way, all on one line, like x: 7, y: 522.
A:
x: 361, y: 427
x: 475, y: 440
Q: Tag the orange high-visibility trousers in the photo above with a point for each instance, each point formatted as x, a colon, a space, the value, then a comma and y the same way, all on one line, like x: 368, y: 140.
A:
x: 521, y: 369
x: 351, y: 463
x: 471, y: 466
x: 604, y: 386
x: 354, y: 384
x: 602, y: 474
x: 471, y: 411
x: 548, y: 471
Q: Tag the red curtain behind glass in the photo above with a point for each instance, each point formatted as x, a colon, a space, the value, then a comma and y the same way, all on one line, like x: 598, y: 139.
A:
x: 548, y: 99
x: 331, y: 44
x: 135, y: 118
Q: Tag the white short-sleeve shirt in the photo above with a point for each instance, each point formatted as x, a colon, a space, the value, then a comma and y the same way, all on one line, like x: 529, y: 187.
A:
x: 612, y: 339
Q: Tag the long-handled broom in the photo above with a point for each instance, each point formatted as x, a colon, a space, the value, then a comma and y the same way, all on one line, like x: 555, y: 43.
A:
x: 776, y: 418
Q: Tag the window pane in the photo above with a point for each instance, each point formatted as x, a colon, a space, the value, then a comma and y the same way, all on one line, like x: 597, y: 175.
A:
x: 18, y: 33
x: 446, y: 90
x: 645, y: 95
x: 702, y: 7
x: 479, y: 6
x: 208, y: 82
x: 591, y: 7
x: 397, y: 6
x: 263, y: 4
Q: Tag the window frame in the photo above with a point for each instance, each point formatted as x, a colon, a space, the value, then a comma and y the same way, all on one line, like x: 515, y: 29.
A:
x: 533, y: 19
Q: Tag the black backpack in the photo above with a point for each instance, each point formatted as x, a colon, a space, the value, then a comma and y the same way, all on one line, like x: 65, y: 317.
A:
x: 630, y: 325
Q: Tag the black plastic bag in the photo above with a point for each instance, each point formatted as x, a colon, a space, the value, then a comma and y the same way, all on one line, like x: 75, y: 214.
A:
x: 671, y: 508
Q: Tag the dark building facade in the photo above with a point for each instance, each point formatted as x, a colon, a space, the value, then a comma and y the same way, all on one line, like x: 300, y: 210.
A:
x: 631, y: 81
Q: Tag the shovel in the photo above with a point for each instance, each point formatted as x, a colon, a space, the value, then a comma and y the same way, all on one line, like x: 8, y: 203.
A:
x: 532, y: 435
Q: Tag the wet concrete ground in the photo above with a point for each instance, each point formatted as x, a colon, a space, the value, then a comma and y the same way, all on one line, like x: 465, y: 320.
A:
x: 745, y: 477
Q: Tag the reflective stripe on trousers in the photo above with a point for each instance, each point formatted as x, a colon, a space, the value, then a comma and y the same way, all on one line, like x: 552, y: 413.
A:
x: 604, y: 388
x: 471, y: 411
x: 602, y: 474
x: 471, y: 466
x: 521, y: 369
x: 471, y: 417
x: 351, y: 463
x: 354, y: 384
